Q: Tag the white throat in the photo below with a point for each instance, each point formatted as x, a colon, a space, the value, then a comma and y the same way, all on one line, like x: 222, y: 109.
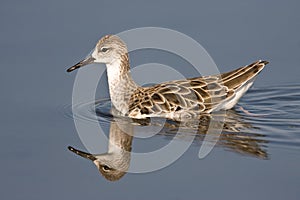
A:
x: 120, y: 85
x: 113, y: 72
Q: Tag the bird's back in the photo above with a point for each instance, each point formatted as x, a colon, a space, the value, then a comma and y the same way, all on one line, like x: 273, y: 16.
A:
x: 188, y: 98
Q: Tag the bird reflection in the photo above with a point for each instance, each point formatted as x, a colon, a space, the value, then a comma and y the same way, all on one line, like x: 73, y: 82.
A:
x: 237, y: 136
x: 115, y: 162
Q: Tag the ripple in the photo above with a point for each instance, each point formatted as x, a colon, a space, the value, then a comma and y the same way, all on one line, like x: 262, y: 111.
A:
x: 267, y: 115
x: 96, y: 112
x: 280, y: 114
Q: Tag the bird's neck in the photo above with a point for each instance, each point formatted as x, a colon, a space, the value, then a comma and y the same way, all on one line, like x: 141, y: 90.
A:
x: 120, y: 82
x: 119, y: 148
x: 120, y: 136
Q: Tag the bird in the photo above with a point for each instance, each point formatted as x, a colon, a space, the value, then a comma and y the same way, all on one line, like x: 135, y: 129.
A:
x: 176, y: 99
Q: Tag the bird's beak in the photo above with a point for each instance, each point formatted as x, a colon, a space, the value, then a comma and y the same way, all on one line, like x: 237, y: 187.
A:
x: 82, y: 154
x: 82, y: 63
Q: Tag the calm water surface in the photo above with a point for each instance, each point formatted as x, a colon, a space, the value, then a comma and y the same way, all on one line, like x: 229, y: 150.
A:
x: 265, y: 118
x: 257, y: 155
x: 258, y: 135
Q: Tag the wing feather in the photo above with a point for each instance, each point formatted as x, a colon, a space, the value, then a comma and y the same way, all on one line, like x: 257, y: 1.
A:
x: 202, y: 94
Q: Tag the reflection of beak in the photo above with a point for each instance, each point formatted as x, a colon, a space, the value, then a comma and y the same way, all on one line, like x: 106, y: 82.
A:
x: 82, y: 154
x: 82, y: 63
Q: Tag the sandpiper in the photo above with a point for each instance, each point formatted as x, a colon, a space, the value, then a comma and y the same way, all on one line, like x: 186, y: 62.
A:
x: 177, y: 99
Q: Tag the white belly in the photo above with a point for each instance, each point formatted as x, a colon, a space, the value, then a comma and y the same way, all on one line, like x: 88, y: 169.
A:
x: 238, y: 94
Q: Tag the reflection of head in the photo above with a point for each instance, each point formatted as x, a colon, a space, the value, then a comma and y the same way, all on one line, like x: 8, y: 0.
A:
x: 115, y: 163
x: 112, y: 169
x: 112, y: 166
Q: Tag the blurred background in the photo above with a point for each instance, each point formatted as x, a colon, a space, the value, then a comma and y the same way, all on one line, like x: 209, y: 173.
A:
x: 41, y: 39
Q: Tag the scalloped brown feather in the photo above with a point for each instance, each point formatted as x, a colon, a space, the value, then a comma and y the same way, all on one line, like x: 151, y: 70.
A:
x: 191, y: 96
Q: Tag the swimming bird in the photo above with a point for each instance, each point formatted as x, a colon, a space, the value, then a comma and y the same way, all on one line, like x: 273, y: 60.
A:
x: 178, y: 99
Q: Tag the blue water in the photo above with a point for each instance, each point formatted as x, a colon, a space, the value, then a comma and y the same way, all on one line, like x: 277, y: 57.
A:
x: 257, y: 155
x: 266, y: 117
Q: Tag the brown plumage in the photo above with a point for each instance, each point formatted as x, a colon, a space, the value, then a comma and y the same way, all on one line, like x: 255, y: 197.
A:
x: 194, y: 95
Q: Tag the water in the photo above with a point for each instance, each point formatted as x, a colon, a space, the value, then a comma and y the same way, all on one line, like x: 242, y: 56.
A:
x: 258, y: 149
x: 265, y: 118
x: 41, y: 39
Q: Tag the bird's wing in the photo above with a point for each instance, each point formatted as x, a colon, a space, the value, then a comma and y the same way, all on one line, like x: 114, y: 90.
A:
x: 200, y: 95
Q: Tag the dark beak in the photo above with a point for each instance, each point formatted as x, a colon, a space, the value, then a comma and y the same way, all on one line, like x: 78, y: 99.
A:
x: 82, y: 63
x: 82, y: 154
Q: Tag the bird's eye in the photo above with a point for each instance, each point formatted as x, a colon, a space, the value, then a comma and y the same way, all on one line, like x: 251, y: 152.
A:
x: 105, y: 168
x: 104, y: 49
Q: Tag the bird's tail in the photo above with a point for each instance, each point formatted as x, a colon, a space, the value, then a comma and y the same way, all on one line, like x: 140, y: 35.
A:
x: 237, y: 78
